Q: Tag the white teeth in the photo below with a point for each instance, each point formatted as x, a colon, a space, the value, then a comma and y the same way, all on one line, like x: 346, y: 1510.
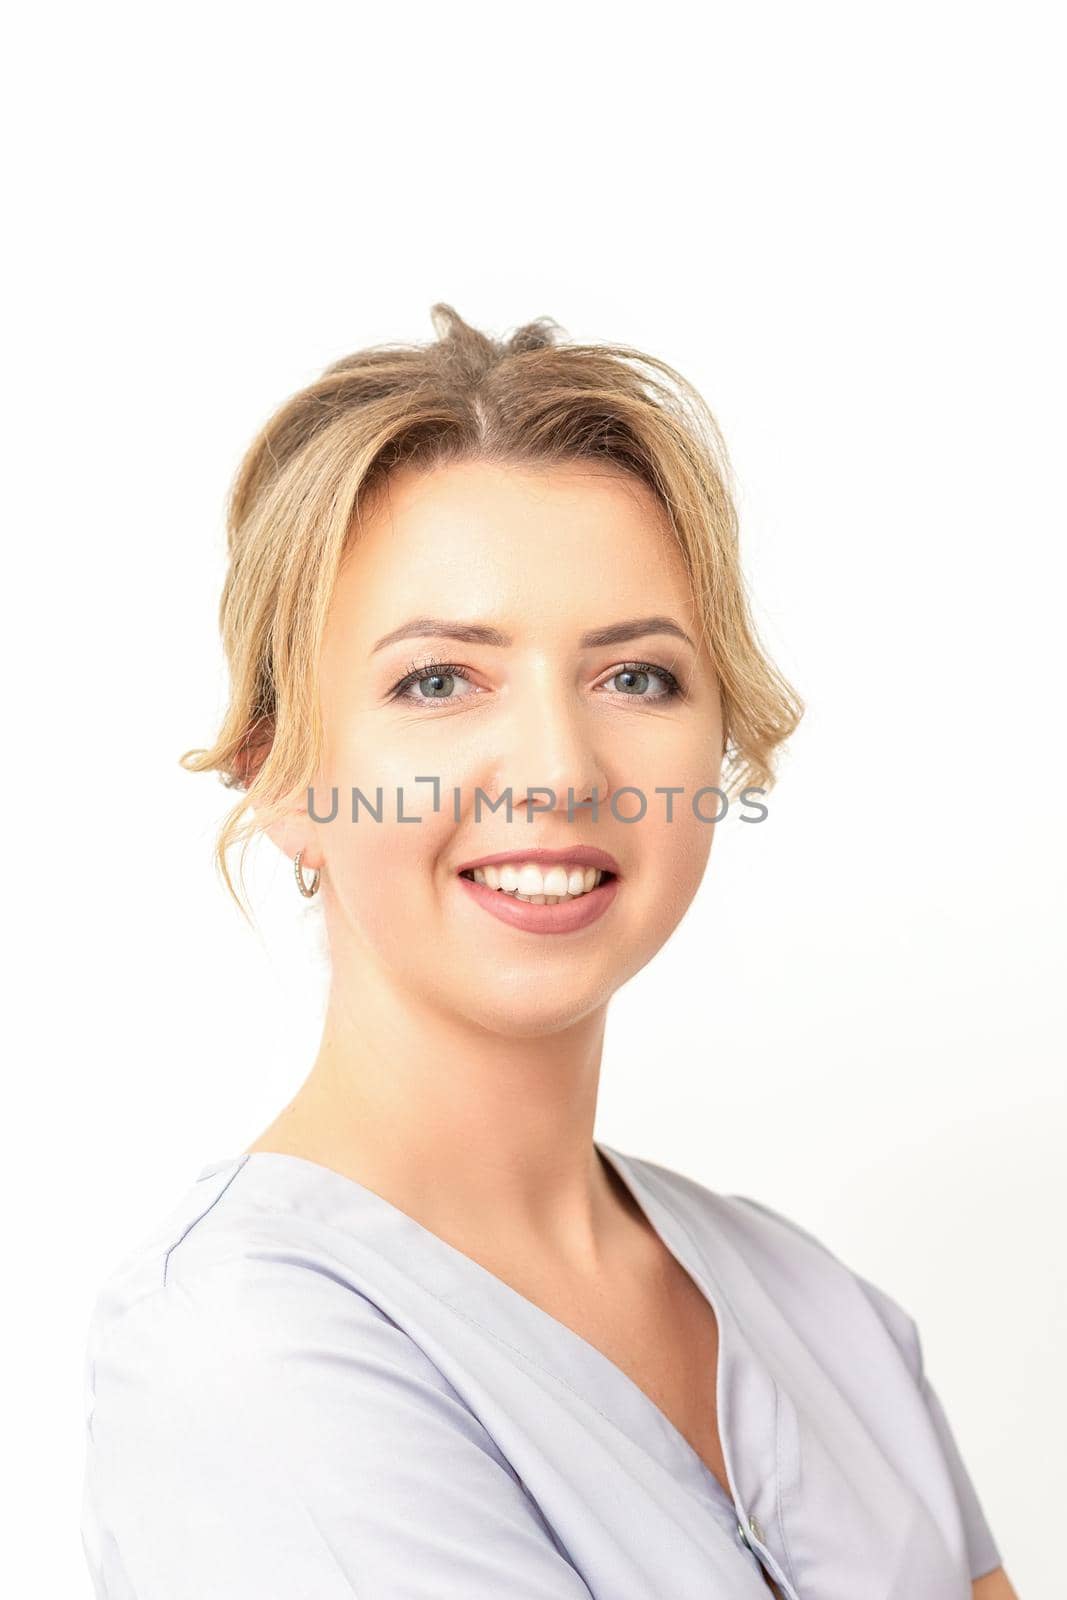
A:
x: 533, y: 881
x: 526, y: 881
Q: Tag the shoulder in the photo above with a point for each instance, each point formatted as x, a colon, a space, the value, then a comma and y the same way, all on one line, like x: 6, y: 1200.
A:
x: 224, y: 1297
x: 144, y: 1268
x: 820, y: 1291
x: 257, y: 1424
x: 786, y: 1241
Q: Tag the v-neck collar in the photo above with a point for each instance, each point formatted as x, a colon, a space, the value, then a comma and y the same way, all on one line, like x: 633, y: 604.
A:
x: 405, y: 1252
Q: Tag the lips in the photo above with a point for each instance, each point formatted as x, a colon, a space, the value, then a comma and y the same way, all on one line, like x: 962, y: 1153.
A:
x: 580, y: 855
x: 566, y: 916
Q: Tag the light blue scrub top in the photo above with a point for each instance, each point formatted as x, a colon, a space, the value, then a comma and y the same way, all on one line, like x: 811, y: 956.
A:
x: 295, y: 1390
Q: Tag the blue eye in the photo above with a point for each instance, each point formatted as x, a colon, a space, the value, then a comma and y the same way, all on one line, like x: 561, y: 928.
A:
x: 642, y: 671
x: 439, y: 675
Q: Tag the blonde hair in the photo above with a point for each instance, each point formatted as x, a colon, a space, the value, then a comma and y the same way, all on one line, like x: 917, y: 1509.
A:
x: 530, y: 399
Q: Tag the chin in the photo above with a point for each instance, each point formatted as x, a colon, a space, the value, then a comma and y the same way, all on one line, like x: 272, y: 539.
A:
x: 531, y: 1014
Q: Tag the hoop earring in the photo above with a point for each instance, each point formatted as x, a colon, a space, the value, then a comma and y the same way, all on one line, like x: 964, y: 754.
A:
x: 306, y: 890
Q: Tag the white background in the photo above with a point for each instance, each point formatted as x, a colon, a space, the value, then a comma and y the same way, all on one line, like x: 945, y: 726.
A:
x: 843, y: 223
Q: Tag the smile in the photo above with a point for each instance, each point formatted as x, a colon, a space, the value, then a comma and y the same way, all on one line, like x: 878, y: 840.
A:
x: 540, y: 887
x: 533, y: 899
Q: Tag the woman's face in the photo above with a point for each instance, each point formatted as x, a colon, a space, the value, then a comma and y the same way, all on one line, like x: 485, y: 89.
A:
x: 541, y: 556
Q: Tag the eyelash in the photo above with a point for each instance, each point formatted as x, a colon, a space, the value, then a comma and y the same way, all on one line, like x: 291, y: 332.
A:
x: 450, y: 669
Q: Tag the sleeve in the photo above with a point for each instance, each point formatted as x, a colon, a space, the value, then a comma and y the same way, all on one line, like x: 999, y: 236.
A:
x: 983, y: 1554
x: 240, y: 1448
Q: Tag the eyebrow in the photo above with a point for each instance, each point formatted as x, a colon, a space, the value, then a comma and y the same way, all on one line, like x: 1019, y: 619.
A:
x: 478, y: 633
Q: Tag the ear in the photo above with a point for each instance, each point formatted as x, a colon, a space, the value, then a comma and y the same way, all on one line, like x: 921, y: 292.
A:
x: 293, y: 831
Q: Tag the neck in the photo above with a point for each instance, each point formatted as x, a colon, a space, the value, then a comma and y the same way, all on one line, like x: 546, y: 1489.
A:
x: 479, y: 1135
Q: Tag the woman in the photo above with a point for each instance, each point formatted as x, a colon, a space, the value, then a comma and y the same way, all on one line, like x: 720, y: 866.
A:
x: 425, y: 1336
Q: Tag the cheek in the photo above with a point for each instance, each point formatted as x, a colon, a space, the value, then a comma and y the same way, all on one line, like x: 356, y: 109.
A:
x: 384, y: 875
x: 670, y: 857
x: 675, y: 856
x: 678, y: 843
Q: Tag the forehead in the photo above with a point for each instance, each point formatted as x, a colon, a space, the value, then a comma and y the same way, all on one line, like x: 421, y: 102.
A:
x: 498, y: 540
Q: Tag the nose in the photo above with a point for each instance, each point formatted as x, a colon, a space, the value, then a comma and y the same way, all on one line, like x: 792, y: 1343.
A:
x: 552, y: 740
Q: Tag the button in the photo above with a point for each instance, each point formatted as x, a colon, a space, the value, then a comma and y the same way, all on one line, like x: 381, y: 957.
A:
x: 754, y: 1529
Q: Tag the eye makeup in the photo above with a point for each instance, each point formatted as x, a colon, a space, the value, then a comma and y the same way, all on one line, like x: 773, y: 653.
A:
x: 449, y: 669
